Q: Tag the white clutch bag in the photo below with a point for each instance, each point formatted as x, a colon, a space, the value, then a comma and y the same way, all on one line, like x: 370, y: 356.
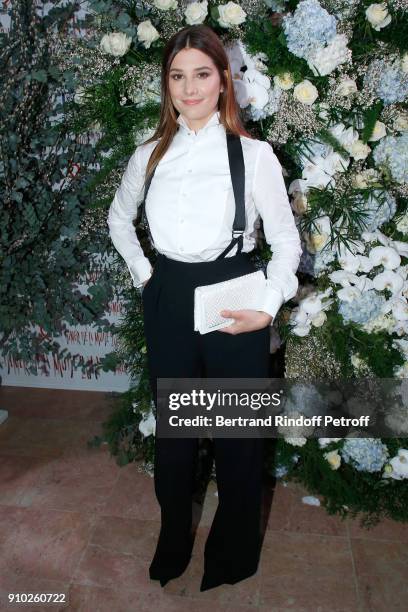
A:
x: 236, y: 294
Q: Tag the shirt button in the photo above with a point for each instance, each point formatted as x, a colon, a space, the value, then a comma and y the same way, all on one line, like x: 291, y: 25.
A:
x: 181, y: 220
x: 189, y: 170
x: 181, y: 249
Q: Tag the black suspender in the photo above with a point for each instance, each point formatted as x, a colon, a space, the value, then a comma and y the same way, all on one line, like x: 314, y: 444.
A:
x: 237, y: 170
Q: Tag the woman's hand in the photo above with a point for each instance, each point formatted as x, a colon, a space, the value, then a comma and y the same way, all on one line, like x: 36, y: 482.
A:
x: 245, y: 320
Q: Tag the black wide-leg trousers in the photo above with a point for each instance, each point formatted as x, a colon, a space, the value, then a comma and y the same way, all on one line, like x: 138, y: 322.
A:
x: 175, y: 350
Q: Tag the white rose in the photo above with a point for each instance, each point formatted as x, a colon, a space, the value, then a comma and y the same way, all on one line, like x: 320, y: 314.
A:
x: 378, y: 16
x: 299, y: 203
x: 196, y: 12
x: 378, y: 132
x: 401, y: 122
x: 333, y: 458
x: 346, y: 87
x: 319, y: 319
x: 359, y: 150
x: 165, y: 5
x: 305, y: 92
x: 147, y: 33
x: 116, y: 43
x: 364, y: 179
x: 284, y: 81
x: 404, y: 63
x: 230, y: 14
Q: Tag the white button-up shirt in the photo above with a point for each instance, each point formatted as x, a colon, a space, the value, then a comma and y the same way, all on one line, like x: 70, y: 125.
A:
x: 190, y: 207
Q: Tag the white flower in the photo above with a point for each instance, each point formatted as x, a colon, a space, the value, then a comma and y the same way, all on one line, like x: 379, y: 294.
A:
x: 400, y: 247
x: 343, y: 278
x: 319, y: 319
x: 384, y: 256
x: 359, y: 150
x: 401, y: 328
x: 305, y: 92
x: 346, y: 87
x: 301, y: 330
x: 388, y: 280
x: 378, y: 132
x: 400, y: 310
x: 116, y: 43
x: 147, y: 425
x: 196, y: 12
x: 318, y: 238
x: 404, y: 62
x: 333, y: 458
x: 79, y: 95
x: 165, y: 5
x: 376, y: 236
x: 284, y: 81
x: 147, y: 33
x: 378, y: 16
x: 380, y: 323
x: 365, y: 179
x: 231, y: 14
x: 300, y: 441
x: 256, y: 85
x: 323, y: 442
x: 345, y: 136
x: 364, y: 283
x: 402, y: 224
x: 323, y: 60
x: 299, y: 203
x: 311, y: 305
x: 349, y: 261
x: 401, y: 120
x: 399, y: 465
x: 348, y: 294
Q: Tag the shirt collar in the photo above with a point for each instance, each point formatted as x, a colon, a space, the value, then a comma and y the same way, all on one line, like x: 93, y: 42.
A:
x: 213, y: 120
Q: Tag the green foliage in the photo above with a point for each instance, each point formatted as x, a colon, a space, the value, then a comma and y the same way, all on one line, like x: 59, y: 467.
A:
x: 370, y: 117
x: 44, y: 197
x: 376, y: 348
x: 365, y: 40
x: 341, y: 491
x: 263, y: 35
x: 346, y: 211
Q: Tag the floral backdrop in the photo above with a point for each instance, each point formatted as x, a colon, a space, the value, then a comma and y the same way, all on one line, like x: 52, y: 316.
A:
x: 326, y: 84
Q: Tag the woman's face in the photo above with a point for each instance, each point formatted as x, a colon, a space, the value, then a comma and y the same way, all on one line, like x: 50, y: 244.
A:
x: 194, y: 76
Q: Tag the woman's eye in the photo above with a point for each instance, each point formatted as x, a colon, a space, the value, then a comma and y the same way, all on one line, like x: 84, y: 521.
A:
x: 204, y: 74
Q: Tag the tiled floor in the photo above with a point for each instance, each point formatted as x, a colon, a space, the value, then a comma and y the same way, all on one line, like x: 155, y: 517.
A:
x: 73, y: 522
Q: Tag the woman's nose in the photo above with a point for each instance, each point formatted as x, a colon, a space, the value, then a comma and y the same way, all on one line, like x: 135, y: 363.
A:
x: 189, y: 87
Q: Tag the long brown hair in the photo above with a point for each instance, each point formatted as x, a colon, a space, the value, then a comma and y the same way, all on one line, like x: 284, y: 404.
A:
x: 200, y: 37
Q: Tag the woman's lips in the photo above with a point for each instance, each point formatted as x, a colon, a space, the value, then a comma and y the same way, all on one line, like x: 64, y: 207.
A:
x: 192, y: 103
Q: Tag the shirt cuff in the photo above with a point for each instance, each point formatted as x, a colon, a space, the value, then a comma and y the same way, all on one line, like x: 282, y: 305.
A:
x: 272, y: 302
x: 140, y: 271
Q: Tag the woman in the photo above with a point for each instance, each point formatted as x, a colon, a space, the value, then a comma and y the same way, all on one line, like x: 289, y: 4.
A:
x: 190, y: 210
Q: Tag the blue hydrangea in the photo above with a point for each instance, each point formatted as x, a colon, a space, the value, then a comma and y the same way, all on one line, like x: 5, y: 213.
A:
x: 310, y: 26
x: 387, y: 81
x: 380, y: 207
x: 393, y: 85
x: 365, y: 454
x: 392, y: 152
x: 362, y: 309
